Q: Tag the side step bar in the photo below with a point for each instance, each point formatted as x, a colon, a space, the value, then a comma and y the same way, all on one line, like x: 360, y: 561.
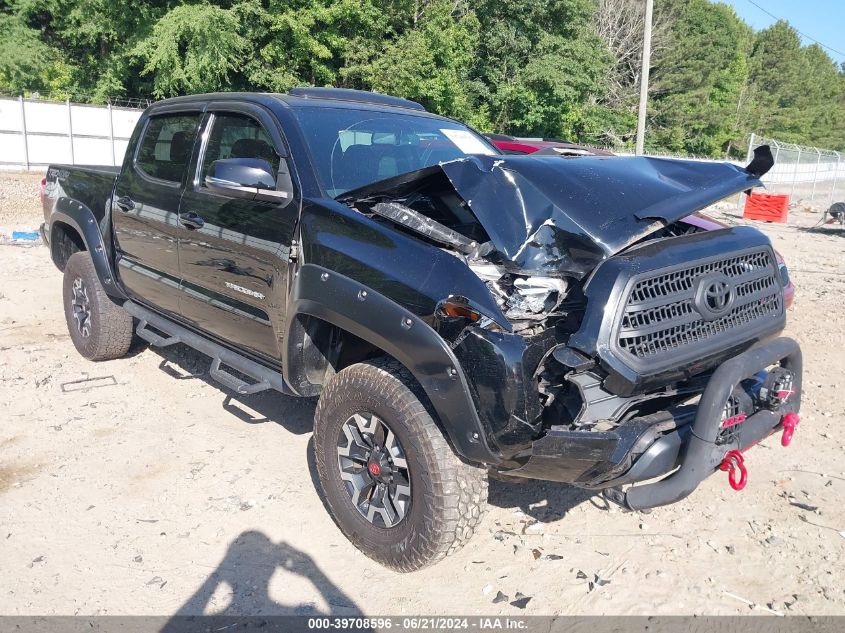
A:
x: 152, y: 338
x: 264, y: 377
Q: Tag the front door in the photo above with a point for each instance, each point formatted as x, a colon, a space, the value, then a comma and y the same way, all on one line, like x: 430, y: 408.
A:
x: 234, y: 252
x: 145, y: 209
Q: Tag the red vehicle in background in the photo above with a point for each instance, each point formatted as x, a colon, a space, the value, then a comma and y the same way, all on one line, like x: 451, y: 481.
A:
x: 565, y: 149
x: 547, y: 146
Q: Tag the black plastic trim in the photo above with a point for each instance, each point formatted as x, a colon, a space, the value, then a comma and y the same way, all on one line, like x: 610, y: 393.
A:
x: 82, y: 219
x: 361, y: 311
x: 355, y: 96
x: 257, y: 112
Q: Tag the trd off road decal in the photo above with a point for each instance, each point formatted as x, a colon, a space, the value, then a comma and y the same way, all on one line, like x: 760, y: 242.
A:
x: 246, y: 291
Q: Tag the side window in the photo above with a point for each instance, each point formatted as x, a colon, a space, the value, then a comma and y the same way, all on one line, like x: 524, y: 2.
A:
x: 238, y: 136
x: 165, y: 150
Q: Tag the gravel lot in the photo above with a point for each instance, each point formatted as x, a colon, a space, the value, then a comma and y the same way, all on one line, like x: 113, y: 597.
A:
x: 138, y: 486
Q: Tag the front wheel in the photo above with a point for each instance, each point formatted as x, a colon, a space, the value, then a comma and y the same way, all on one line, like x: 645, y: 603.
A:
x: 391, y: 481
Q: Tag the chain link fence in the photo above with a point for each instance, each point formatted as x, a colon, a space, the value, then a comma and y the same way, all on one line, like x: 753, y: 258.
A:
x: 812, y: 177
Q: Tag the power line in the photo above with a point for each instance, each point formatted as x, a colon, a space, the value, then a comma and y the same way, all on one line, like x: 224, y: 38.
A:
x: 772, y: 15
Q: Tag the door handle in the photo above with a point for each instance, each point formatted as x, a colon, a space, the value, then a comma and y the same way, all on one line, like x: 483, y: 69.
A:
x: 125, y: 203
x: 191, y: 220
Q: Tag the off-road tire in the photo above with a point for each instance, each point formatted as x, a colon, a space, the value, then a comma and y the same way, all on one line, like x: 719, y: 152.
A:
x: 448, y: 496
x: 109, y: 331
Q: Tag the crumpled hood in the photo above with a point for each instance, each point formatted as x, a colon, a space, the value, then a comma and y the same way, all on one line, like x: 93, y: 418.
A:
x: 556, y: 216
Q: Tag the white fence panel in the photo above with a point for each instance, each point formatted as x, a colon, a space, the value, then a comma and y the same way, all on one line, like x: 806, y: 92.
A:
x: 124, y: 120
x: 92, y: 151
x: 44, y: 150
x: 34, y: 133
x: 88, y: 120
x: 10, y: 114
x: 50, y: 118
x: 11, y: 148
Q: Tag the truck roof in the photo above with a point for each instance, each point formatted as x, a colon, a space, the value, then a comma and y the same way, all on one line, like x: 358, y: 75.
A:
x: 307, y: 96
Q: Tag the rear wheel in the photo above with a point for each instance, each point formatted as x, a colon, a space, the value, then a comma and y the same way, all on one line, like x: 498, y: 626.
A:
x: 99, y: 328
x: 391, y: 481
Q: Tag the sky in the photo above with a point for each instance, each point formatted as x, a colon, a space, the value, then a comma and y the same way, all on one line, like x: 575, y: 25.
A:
x: 823, y: 20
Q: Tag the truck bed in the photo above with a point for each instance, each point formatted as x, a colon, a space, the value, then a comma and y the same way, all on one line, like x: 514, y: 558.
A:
x: 90, y: 185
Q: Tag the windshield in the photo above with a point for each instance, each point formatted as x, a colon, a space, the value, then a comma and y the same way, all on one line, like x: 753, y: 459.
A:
x: 352, y: 148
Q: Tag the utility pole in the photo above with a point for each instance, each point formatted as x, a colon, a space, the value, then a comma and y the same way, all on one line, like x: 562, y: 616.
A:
x: 649, y: 9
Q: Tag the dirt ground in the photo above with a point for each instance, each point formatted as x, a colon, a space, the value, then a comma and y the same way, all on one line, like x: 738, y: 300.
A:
x: 138, y: 486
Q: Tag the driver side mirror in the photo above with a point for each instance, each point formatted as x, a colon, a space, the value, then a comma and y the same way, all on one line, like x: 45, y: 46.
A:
x: 249, y: 178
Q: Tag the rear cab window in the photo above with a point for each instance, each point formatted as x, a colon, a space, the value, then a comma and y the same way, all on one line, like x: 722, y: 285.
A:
x: 165, y: 149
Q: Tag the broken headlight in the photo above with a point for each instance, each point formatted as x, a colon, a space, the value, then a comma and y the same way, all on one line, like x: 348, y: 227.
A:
x: 521, y: 297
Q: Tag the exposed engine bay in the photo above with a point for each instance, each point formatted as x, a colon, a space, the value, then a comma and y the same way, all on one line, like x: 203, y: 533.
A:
x: 546, y: 215
x: 532, y: 279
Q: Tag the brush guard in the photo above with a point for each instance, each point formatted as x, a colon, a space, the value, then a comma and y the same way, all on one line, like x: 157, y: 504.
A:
x: 701, y: 455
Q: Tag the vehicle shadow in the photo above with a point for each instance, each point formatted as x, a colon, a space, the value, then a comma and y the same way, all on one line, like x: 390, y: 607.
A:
x: 241, y: 582
x: 543, y: 501
x: 294, y: 414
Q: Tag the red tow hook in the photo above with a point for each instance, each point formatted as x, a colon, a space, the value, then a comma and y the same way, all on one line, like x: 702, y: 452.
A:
x: 733, y: 462
x: 789, y: 422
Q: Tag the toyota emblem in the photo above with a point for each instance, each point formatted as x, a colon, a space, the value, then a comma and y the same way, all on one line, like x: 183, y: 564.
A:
x: 714, y: 296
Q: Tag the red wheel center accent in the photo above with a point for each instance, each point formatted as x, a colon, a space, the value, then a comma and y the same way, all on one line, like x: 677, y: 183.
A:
x: 374, y: 468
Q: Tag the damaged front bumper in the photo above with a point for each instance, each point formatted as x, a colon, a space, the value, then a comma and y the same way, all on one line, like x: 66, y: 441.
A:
x: 684, y: 447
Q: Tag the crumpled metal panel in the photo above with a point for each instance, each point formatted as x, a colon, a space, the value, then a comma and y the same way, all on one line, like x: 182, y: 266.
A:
x: 553, y: 216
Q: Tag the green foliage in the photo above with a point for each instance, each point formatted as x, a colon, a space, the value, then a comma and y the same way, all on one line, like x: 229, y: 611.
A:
x: 309, y: 42
x: 27, y: 64
x: 538, y: 62
x: 699, y: 78
x: 430, y: 63
x: 192, y: 48
x: 529, y: 67
x: 796, y: 92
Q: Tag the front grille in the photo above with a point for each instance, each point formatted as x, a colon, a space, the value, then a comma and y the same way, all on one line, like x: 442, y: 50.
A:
x: 666, y: 312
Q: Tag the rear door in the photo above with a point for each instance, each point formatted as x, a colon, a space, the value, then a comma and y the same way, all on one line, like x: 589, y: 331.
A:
x: 234, y: 252
x: 145, y: 208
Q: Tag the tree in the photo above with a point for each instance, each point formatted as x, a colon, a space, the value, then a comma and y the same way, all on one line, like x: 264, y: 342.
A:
x: 620, y: 25
x: 775, y: 83
x: 795, y: 92
x: 310, y: 41
x: 192, y: 48
x: 698, y: 79
x: 538, y: 62
x: 430, y: 62
x: 27, y: 64
x: 559, y: 68
x: 87, y: 43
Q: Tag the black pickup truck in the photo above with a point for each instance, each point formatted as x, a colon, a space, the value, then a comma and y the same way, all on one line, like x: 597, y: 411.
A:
x: 459, y: 312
